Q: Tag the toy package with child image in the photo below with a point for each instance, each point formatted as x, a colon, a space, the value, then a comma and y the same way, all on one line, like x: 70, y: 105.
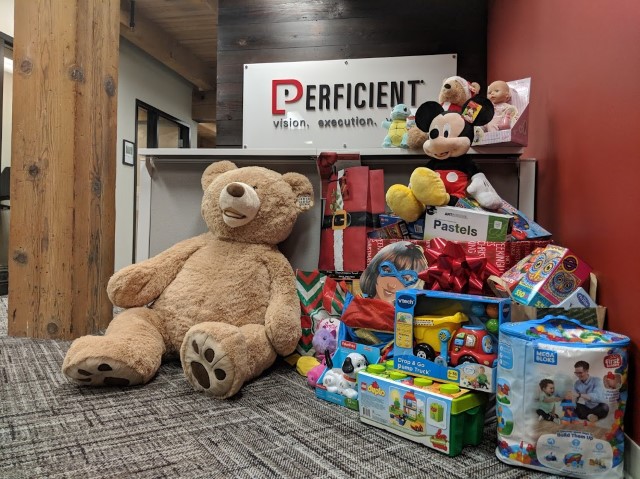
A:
x: 561, y: 397
x: 367, y: 319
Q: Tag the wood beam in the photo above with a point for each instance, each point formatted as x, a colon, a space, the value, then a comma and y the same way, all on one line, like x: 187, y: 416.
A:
x: 61, y: 241
x: 150, y: 38
x: 203, y: 106
x: 211, y: 4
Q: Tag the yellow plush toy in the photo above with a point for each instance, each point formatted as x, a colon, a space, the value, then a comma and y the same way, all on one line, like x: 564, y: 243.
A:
x: 450, y: 173
x: 224, y: 301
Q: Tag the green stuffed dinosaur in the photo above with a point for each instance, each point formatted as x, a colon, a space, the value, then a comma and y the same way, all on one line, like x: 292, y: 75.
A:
x: 396, y: 127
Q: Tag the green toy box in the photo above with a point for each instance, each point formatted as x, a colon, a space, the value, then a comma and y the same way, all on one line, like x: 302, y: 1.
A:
x: 441, y: 416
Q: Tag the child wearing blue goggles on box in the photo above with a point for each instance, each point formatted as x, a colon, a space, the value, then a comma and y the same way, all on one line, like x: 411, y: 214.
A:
x: 395, y: 267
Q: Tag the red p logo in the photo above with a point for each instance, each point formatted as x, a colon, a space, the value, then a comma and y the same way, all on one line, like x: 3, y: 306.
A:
x: 275, y: 84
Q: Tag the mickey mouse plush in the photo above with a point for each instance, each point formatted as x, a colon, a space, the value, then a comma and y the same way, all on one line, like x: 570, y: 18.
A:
x: 450, y: 173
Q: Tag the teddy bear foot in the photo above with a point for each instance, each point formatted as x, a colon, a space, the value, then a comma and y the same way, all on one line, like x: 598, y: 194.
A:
x: 210, y: 363
x: 102, y: 372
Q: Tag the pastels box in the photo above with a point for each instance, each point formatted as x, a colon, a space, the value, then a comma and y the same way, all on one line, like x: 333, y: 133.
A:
x: 449, y: 337
x: 561, y: 397
x: 443, y: 417
x: 523, y: 227
x: 460, y: 224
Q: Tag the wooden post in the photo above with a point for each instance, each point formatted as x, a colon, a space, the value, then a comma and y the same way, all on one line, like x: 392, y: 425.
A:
x: 61, y: 241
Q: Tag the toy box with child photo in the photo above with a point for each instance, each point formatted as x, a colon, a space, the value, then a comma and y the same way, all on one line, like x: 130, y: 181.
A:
x: 366, y: 323
x: 449, y: 337
x: 561, y: 397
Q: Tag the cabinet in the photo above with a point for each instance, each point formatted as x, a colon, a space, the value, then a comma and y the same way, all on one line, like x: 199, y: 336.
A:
x: 169, y: 192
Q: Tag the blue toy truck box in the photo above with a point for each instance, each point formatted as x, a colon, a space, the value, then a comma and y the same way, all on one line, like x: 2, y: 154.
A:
x: 561, y: 397
x: 449, y: 336
x: 443, y: 417
x: 337, y: 384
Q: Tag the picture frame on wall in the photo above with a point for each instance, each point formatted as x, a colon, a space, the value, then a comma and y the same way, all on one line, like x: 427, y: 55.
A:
x: 128, y: 153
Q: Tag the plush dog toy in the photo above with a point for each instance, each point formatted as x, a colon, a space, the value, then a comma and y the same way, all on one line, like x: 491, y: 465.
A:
x: 342, y: 380
x: 450, y: 172
x: 454, y: 93
x: 225, y: 301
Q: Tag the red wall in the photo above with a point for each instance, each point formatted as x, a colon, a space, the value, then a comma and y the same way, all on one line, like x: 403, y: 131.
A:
x: 584, y: 65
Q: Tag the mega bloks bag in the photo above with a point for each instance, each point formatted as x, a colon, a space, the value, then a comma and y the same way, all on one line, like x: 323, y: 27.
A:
x: 561, y: 397
x: 354, y: 200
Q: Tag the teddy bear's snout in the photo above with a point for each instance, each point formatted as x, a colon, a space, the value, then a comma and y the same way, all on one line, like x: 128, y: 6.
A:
x: 235, y: 189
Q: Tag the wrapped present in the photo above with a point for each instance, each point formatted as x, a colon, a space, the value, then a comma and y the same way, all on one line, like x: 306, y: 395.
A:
x: 451, y: 269
x: 502, y: 254
x: 354, y: 201
x: 320, y: 297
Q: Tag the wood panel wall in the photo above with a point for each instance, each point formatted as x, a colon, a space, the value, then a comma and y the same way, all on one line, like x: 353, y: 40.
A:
x: 262, y: 31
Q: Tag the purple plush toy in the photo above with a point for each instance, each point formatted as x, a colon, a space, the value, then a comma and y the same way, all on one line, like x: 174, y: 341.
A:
x: 324, y: 341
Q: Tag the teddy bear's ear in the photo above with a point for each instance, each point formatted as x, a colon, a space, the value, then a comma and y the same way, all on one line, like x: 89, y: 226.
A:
x: 426, y: 113
x: 485, y: 115
x: 302, y: 188
x: 214, y: 170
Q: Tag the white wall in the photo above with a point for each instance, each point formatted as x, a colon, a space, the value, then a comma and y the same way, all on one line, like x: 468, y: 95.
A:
x: 6, y: 17
x: 140, y: 77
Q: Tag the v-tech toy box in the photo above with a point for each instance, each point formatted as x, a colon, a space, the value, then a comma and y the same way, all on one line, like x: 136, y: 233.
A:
x: 449, y: 337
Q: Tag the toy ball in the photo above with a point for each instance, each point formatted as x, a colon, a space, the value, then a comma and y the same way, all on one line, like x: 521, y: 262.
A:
x: 492, y: 325
x: 477, y: 309
x: 492, y: 310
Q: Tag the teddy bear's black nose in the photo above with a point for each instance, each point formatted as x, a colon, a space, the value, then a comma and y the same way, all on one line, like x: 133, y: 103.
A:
x: 447, y: 86
x: 235, y: 190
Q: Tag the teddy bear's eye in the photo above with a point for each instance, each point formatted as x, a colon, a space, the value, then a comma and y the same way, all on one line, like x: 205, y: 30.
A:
x: 446, y: 130
x: 434, y: 133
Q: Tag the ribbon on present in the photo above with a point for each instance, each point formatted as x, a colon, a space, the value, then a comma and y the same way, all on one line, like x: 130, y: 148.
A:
x: 451, y: 269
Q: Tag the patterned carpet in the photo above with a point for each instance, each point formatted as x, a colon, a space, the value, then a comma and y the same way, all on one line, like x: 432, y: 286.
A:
x: 276, y: 428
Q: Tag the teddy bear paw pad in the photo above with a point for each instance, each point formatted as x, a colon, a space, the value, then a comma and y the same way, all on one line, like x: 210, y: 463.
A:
x: 102, y: 372
x: 207, y: 365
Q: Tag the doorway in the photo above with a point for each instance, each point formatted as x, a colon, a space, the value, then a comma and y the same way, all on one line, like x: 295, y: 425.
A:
x: 6, y: 104
x: 154, y: 129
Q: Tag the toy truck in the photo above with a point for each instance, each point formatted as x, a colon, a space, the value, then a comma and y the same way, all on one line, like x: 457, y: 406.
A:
x: 446, y: 341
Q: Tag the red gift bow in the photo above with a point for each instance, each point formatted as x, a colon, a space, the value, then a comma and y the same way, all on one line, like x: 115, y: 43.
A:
x: 450, y: 269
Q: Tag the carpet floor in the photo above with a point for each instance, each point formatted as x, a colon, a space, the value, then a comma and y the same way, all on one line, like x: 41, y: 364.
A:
x: 275, y: 428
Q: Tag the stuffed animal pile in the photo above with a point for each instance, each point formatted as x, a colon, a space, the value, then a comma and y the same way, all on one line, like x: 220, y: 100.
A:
x: 224, y: 301
x: 454, y: 93
x: 450, y: 173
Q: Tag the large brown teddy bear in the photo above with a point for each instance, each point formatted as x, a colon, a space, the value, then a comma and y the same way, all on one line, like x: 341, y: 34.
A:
x: 225, y: 301
x: 454, y: 93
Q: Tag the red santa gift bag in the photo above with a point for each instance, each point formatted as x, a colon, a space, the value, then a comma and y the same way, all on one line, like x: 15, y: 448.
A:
x: 353, y: 204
